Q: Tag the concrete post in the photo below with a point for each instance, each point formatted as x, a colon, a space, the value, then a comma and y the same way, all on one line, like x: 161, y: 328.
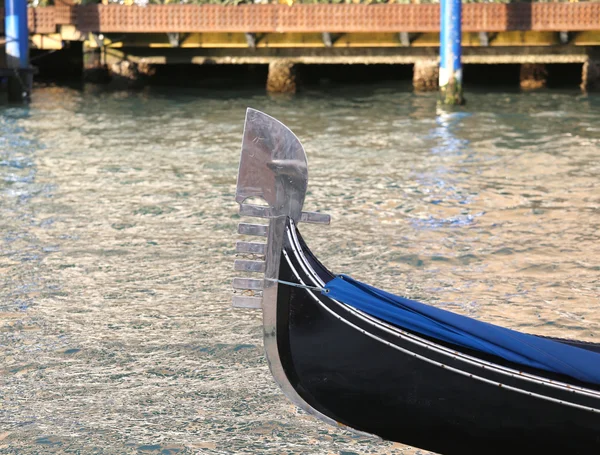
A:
x: 590, y: 75
x: 533, y: 76
x: 282, y: 77
x: 124, y: 74
x: 17, y: 49
x: 450, y: 52
x: 425, y: 75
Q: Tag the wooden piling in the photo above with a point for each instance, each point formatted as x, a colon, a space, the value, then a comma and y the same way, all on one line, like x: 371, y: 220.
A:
x: 282, y: 77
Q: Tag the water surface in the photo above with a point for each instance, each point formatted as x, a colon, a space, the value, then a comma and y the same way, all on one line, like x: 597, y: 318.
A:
x: 117, y: 233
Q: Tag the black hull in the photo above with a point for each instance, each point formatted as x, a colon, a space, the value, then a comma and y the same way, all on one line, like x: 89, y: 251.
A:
x: 408, y: 389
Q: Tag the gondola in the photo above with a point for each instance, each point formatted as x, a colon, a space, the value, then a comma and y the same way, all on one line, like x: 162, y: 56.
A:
x: 359, y: 358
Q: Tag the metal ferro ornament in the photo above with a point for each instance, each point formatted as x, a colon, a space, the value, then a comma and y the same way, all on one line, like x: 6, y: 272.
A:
x: 273, y: 168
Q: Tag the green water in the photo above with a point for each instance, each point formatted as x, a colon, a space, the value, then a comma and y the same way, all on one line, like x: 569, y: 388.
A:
x: 117, y: 232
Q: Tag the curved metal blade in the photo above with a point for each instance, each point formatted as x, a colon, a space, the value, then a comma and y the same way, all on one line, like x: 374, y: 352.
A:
x: 272, y: 166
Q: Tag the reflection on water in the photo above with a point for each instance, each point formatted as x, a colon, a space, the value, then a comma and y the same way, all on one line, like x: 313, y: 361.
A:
x: 116, y: 248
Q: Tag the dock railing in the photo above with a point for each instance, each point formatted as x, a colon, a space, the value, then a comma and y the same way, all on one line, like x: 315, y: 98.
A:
x: 307, y: 18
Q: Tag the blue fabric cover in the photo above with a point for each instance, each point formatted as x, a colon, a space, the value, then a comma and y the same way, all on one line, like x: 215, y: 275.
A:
x: 442, y: 325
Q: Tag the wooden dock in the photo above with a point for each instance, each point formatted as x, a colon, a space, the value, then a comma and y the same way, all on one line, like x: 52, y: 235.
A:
x: 523, y: 33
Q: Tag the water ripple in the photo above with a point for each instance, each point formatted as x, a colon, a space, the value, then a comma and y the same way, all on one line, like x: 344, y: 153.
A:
x: 117, y: 226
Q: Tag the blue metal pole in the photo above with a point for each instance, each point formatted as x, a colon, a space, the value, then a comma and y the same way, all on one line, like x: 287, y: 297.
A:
x: 450, y: 52
x: 17, y: 47
x: 17, y: 34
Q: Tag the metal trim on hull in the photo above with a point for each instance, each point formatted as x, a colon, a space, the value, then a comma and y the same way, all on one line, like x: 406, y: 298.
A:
x: 273, y: 167
x: 457, y: 355
x: 270, y: 292
x: 555, y: 408
x: 432, y: 346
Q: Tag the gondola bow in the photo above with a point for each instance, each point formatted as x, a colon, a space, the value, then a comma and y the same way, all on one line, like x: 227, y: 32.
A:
x: 358, y: 357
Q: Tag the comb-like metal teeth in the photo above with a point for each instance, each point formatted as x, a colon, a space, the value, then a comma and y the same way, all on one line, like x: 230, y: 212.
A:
x: 243, y: 265
x: 242, y: 301
x: 266, y: 212
x: 315, y: 217
x: 251, y: 248
x: 253, y: 229
x: 253, y: 284
x: 260, y: 211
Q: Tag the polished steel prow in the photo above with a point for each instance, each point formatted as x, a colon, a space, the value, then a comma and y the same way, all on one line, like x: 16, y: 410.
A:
x: 273, y: 169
